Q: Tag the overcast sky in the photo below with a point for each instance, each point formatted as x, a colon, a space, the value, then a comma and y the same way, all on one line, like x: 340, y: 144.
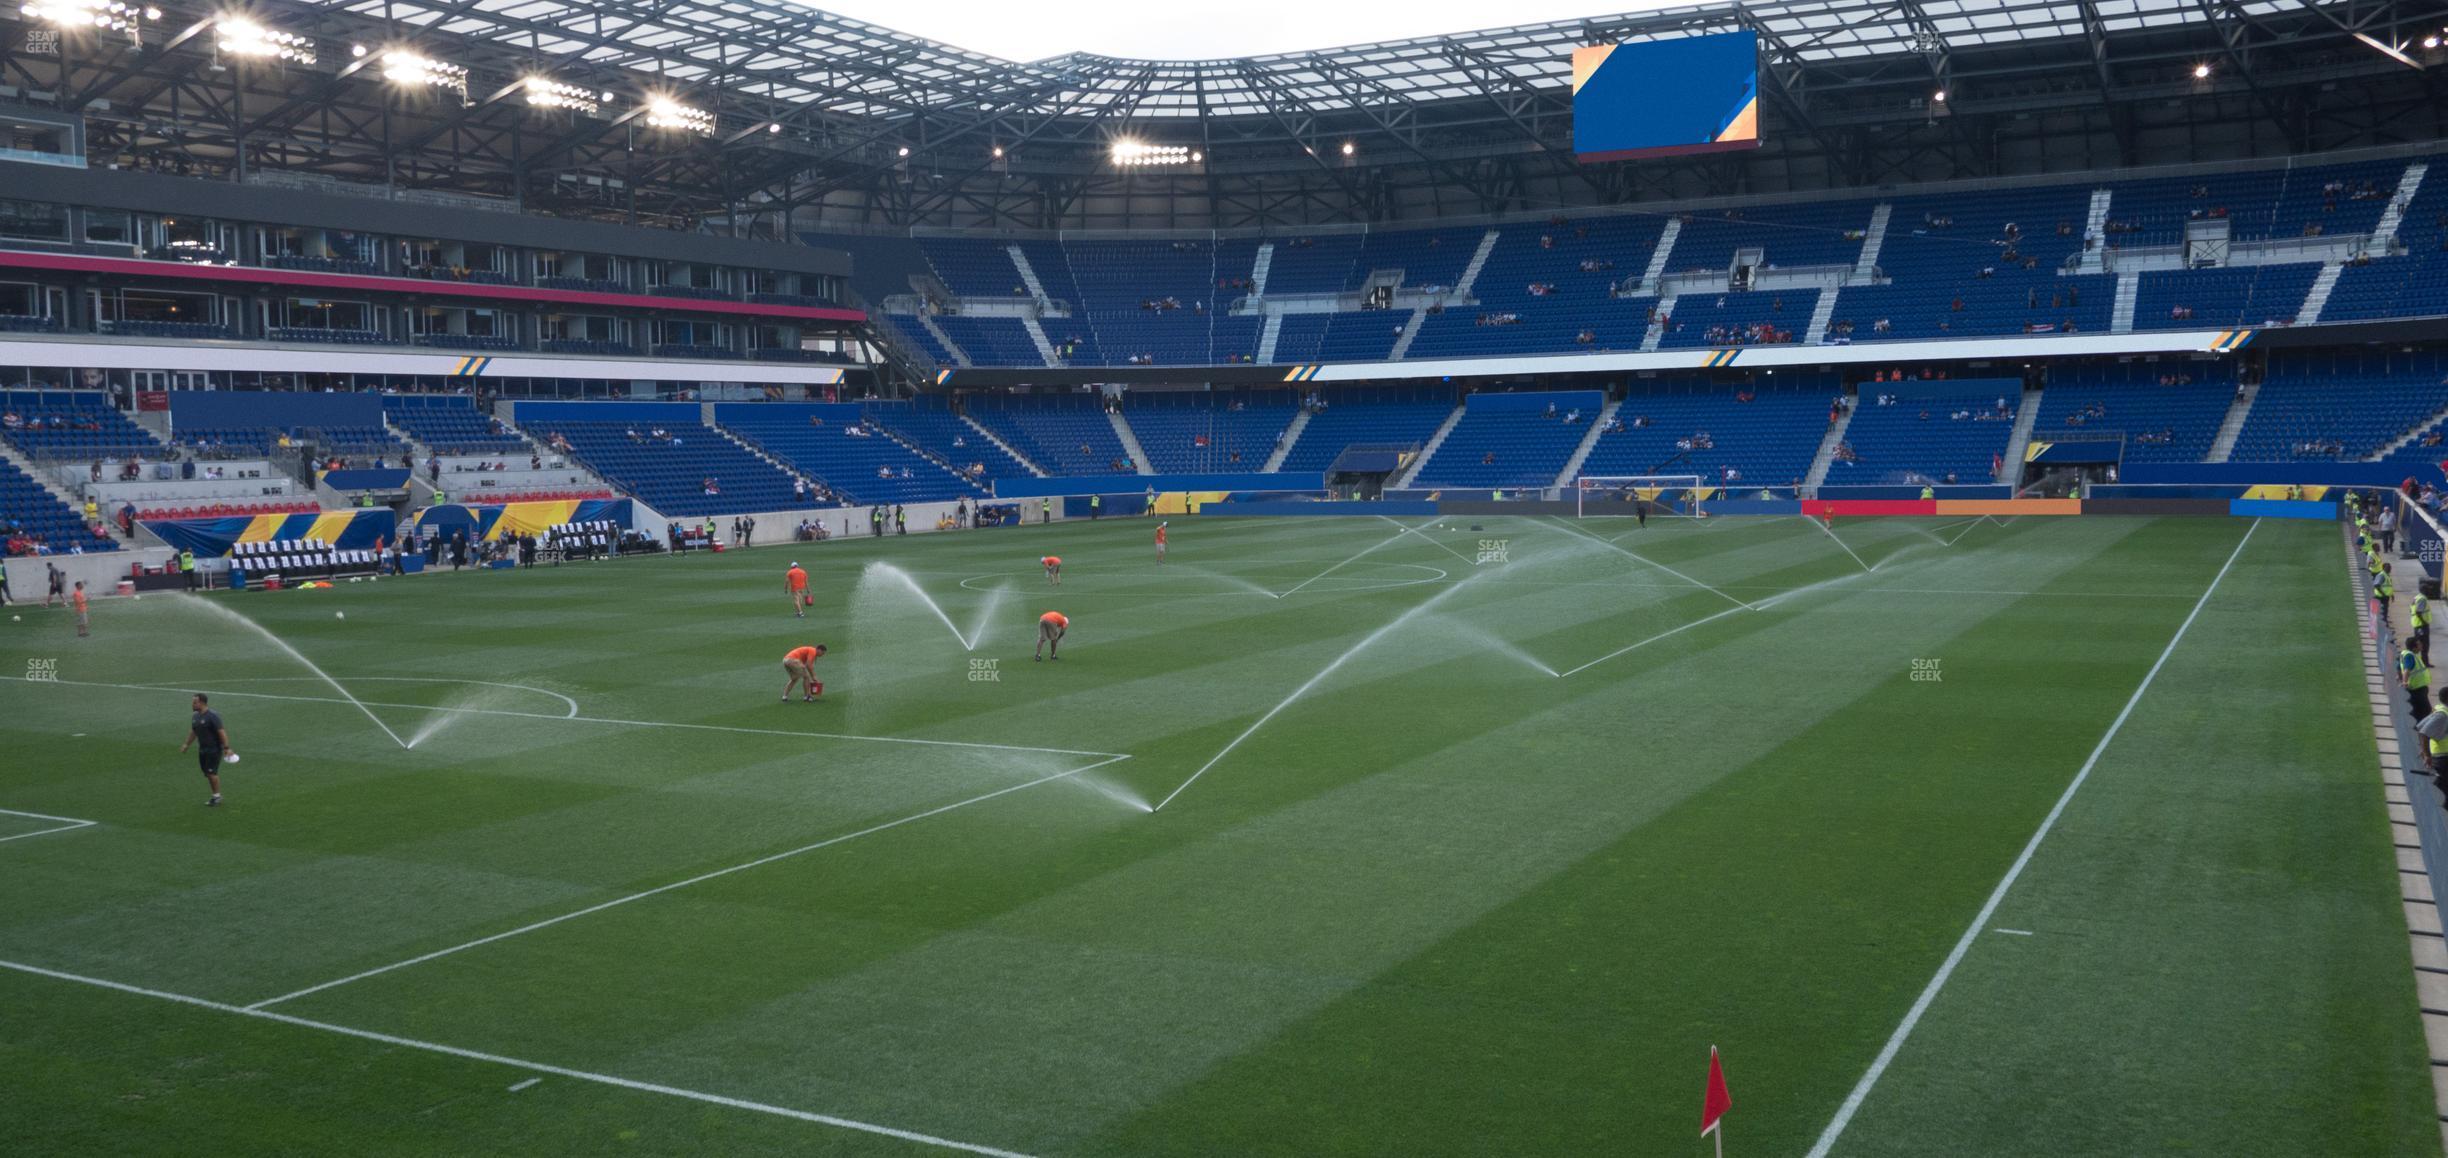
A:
x: 1171, y: 31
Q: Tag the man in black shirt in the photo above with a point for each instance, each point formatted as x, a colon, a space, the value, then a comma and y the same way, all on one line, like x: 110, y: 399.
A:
x: 211, y: 742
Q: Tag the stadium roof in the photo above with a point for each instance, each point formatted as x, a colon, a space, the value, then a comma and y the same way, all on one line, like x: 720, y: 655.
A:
x: 794, y: 53
x: 790, y: 108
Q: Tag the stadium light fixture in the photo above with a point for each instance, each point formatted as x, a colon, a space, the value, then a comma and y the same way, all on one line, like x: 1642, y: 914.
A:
x: 544, y: 92
x: 1939, y: 96
x: 2201, y: 72
x: 2388, y: 50
x: 902, y: 152
x: 663, y: 112
x: 411, y: 70
x: 107, y: 15
x: 242, y: 37
x: 1137, y: 154
x: 1197, y: 157
x: 2431, y: 42
x: 998, y: 150
x: 1347, y: 148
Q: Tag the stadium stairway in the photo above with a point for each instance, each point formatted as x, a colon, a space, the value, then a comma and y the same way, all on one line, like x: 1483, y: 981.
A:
x: 2129, y: 291
x: 1037, y: 337
x: 1003, y: 446
x: 1479, y: 259
x: 1269, y: 337
x: 2010, y: 464
x: 1826, y: 457
x: 1429, y: 451
x: 1821, y: 315
x: 49, y: 480
x: 2403, y: 440
x: 2409, y: 184
x: 1665, y: 315
x: 1410, y: 330
x: 1589, y: 441
x: 1291, y: 438
x: 1260, y: 266
x: 2323, y: 284
x: 1865, y: 267
x: 1657, y: 260
x: 2095, y: 233
x: 1028, y: 275
x: 2223, y: 446
x: 945, y: 340
x: 1130, y: 442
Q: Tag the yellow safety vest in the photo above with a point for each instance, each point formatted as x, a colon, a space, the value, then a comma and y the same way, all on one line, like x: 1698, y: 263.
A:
x: 1927, y: 493
x: 2417, y: 676
x: 2420, y: 613
x: 2438, y: 746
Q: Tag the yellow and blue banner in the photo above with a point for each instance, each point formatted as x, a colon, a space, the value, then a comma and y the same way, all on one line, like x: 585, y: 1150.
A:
x: 502, y: 520
x: 356, y: 530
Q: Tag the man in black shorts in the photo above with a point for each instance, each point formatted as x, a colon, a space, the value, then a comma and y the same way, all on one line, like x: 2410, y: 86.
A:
x: 211, y: 742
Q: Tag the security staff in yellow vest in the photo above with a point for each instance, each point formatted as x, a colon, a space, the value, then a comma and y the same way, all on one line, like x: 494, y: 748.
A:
x: 2416, y: 676
x: 2418, y: 616
x: 1928, y: 492
x: 2383, y: 590
x: 2437, y: 749
x: 187, y: 567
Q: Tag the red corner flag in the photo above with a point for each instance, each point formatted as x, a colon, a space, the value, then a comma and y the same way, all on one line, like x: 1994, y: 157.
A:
x: 1717, y: 1101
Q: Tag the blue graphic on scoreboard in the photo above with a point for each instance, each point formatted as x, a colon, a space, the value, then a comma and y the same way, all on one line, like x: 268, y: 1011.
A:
x: 1664, y: 98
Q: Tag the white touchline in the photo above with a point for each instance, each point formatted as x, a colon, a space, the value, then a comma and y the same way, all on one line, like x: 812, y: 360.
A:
x: 523, y: 1085
x: 603, y: 720
x: 2016, y: 932
x: 66, y: 824
x: 516, y: 1063
x: 1433, y: 539
x: 700, y: 878
x: 1628, y: 553
x: 1895, y: 1042
x: 1347, y: 562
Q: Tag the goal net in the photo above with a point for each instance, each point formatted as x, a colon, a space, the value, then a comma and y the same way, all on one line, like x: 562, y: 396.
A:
x: 1655, y: 495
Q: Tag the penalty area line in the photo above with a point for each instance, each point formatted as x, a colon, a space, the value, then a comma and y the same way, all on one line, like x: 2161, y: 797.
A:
x: 658, y: 890
x: 1963, y: 945
x: 1628, y: 553
x: 66, y: 824
x: 600, y: 1079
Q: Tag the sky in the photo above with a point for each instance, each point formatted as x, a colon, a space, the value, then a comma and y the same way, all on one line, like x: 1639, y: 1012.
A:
x: 1168, y: 31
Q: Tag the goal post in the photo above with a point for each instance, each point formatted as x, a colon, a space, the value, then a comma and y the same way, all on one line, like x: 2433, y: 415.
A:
x: 1603, y: 496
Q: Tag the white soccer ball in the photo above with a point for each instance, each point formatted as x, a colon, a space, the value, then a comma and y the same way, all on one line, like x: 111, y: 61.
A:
x: 339, y: 615
x: 135, y: 596
x: 232, y: 758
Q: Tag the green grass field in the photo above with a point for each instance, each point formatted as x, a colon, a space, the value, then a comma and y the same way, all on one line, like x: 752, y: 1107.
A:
x: 1420, y: 896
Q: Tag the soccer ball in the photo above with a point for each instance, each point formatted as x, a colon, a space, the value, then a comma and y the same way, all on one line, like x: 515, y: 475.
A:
x: 136, y: 597
x: 16, y: 619
x: 339, y: 615
x: 232, y: 758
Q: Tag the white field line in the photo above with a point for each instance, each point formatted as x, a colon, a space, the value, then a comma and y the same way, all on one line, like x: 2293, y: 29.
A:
x: 1968, y: 529
x: 565, y: 700
x: 1433, y: 539
x: 1652, y: 639
x: 1313, y: 681
x: 700, y: 878
x: 66, y: 824
x: 516, y: 1063
x: 1347, y: 562
x: 604, y: 720
x: 1628, y: 553
x: 1895, y: 1042
x: 1839, y: 542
